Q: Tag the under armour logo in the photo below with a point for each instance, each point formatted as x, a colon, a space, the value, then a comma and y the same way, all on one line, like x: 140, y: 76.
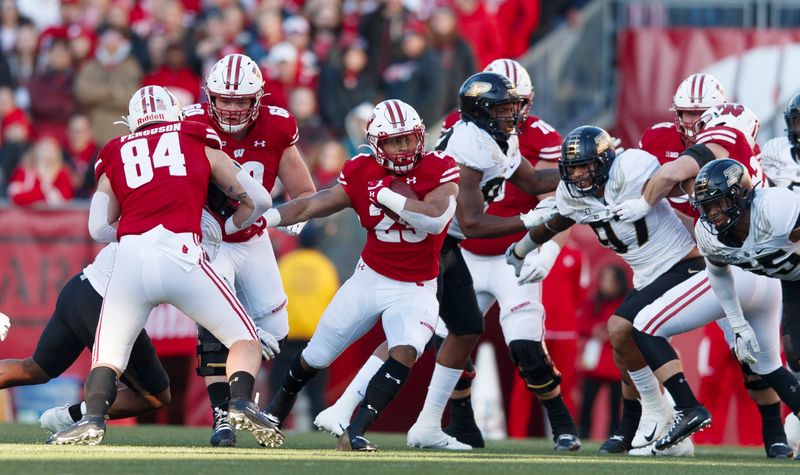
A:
x: 389, y: 376
x: 795, y: 387
x: 361, y: 267
x: 411, y: 180
x: 372, y: 409
x: 260, y: 143
x: 185, y: 249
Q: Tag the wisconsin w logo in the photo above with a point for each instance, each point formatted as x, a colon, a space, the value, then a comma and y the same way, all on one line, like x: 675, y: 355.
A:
x: 238, y: 153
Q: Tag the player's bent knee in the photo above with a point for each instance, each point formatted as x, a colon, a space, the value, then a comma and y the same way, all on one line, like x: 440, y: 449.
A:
x: 34, y: 373
x: 535, y: 366
x: 316, y: 358
x: 619, y: 331
x: 211, y: 354
x: 405, y: 354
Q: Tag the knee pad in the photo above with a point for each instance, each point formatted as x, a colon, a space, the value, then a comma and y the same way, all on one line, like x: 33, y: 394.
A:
x: 656, y: 349
x: 535, y: 366
x: 211, y: 354
x: 751, y: 383
x: 465, y: 381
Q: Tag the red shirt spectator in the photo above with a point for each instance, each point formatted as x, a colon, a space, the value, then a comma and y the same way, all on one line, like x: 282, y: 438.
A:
x: 519, y: 19
x: 176, y: 76
x: 42, y: 177
x: 479, y: 28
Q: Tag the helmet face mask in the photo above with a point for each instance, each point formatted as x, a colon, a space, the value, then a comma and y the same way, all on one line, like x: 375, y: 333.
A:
x: 792, y: 117
x: 586, y: 157
x: 233, y: 80
x: 396, y: 136
x: 722, y: 195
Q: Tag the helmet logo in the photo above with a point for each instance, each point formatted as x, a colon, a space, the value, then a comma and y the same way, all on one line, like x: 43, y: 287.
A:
x: 602, y: 140
x: 573, y: 148
x: 477, y: 88
x: 732, y: 174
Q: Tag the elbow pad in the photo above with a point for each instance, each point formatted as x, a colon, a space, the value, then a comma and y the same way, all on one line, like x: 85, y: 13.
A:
x: 99, y: 228
x: 428, y: 224
x: 701, y: 154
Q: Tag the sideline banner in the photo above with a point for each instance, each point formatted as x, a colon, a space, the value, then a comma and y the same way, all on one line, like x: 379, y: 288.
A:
x: 759, y: 68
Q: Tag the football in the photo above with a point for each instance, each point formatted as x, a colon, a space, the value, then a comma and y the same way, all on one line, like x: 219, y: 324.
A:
x: 401, y: 187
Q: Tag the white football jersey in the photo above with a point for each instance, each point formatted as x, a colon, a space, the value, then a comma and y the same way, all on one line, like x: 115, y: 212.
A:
x: 99, y: 271
x: 474, y: 148
x: 767, y: 250
x: 778, y: 164
x: 652, y: 244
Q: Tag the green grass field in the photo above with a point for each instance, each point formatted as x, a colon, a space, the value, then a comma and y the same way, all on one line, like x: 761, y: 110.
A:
x: 162, y: 449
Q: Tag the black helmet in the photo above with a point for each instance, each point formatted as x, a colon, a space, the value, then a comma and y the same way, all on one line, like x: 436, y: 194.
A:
x: 585, y: 145
x: 792, y: 117
x: 478, y: 96
x: 718, y: 180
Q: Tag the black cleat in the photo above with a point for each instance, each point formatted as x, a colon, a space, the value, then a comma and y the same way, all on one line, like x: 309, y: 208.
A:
x: 357, y: 443
x: 567, y: 443
x: 779, y: 450
x: 222, y: 434
x: 685, y: 423
x: 616, y: 444
x: 469, y: 435
x: 245, y: 415
x: 90, y: 430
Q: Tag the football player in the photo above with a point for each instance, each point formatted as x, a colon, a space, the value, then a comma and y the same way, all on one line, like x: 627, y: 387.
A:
x: 72, y: 328
x: 262, y: 139
x: 752, y: 228
x: 395, y: 279
x: 156, y: 178
x: 658, y: 247
x: 521, y: 311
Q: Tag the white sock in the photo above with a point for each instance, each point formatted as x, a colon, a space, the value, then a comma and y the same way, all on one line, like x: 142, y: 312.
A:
x: 357, y: 389
x: 443, y: 382
x: 648, y: 387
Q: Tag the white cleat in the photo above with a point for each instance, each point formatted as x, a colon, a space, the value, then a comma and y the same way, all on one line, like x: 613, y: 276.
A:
x: 684, y: 448
x: 792, y: 428
x: 332, y: 420
x: 433, y: 438
x: 653, y: 425
x: 56, y: 419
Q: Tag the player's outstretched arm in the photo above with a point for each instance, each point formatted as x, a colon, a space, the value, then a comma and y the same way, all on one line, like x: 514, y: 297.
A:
x: 320, y: 204
x: 238, y: 184
x: 469, y: 211
x: 104, y: 212
x: 430, y: 215
x: 720, y: 278
x: 535, y: 181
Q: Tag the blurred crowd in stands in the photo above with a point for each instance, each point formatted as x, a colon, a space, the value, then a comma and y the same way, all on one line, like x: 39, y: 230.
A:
x: 68, y: 68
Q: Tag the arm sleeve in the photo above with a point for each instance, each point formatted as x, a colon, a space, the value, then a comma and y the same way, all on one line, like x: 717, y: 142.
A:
x: 428, y: 224
x: 99, y: 228
x: 721, y: 280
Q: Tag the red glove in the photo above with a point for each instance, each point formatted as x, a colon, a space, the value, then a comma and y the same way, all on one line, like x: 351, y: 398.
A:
x: 246, y: 234
x: 374, y: 186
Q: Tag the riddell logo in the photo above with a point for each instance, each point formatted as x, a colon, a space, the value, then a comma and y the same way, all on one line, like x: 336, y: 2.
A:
x: 150, y: 117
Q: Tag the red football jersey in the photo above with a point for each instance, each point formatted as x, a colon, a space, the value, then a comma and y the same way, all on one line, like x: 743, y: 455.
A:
x: 538, y: 140
x: 394, y: 249
x: 160, y: 176
x: 260, y: 150
x: 664, y: 141
x: 738, y: 147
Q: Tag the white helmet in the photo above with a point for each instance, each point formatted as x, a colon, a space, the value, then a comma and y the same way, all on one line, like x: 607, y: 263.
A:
x: 394, y: 118
x: 234, y: 77
x: 731, y: 115
x: 152, y: 104
x: 518, y: 76
x: 696, y: 93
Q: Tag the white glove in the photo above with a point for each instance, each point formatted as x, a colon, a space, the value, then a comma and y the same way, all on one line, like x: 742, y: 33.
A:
x: 632, y: 210
x: 543, y: 212
x: 513, y: 260
x: 5, y: 325
x: 745, y: 344
x: 269, y: 344
x: 537, y: 265
x: 293, y: 229
x: 212, y: 234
